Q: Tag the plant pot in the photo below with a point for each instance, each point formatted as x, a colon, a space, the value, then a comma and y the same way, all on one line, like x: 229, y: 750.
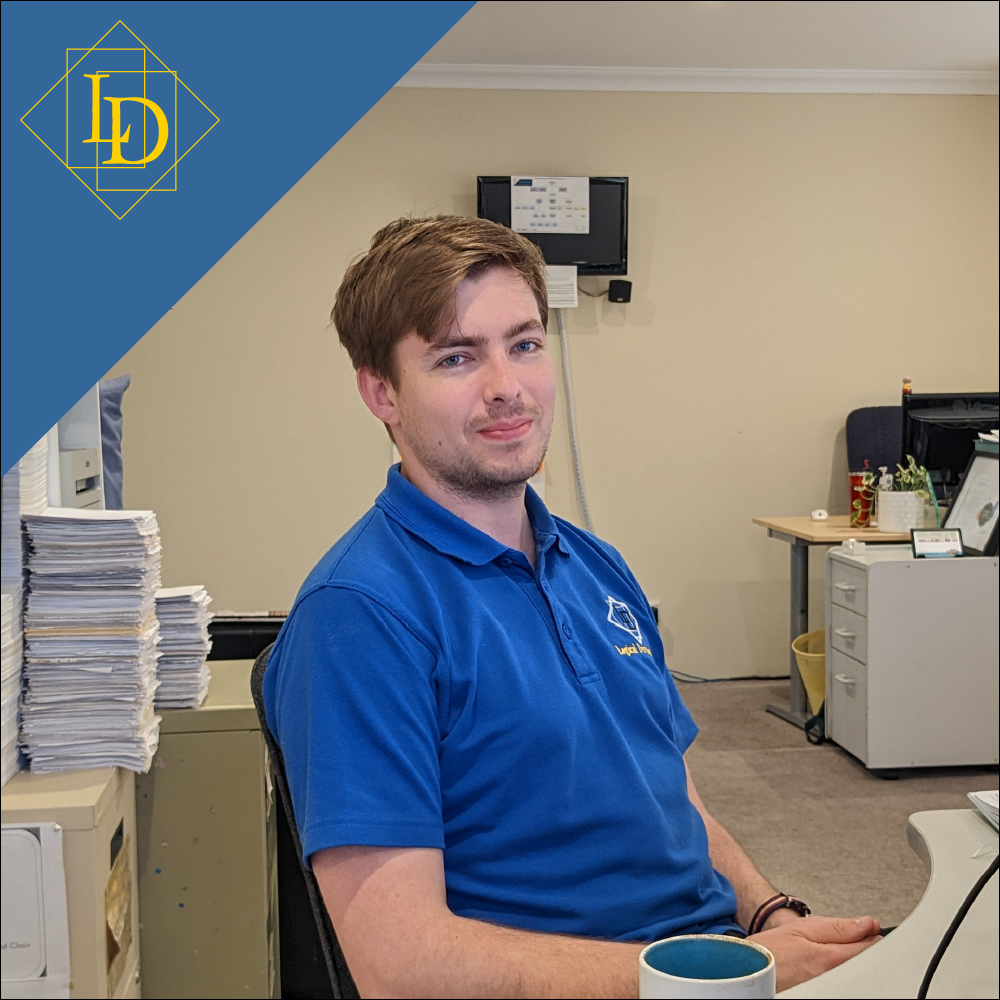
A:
x: 899, y: 512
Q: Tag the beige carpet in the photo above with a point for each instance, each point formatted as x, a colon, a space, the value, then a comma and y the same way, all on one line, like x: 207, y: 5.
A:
x: 814, y: 821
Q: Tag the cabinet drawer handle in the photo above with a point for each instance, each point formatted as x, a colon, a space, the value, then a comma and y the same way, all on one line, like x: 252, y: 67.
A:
x: 847, y: 587
x: 844, y: 679
x: 844, y: 634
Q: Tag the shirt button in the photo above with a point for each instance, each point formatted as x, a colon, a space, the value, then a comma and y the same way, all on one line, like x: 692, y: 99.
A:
x: 567, y: 631
x: 505, y: 561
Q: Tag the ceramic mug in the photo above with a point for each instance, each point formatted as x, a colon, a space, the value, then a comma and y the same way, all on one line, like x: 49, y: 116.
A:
x: 698, y: 966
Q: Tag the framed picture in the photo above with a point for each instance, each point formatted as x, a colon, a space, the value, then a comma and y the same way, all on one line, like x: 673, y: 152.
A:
x: 935, y: 543
x: 975, y: 510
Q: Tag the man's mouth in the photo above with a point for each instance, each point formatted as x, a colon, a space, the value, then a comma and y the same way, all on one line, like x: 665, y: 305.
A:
x: 506, y: 430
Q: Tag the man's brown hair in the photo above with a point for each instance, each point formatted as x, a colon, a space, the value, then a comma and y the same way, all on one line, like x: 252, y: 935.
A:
x: 409, y: 277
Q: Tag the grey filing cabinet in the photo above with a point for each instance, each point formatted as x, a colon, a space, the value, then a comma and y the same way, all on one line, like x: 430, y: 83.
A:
x: 207, y: 876
x: 912, y: 658
x: 96, y: 810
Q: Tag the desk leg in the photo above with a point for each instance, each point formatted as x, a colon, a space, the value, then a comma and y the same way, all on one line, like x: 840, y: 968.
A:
x: 797, y: 712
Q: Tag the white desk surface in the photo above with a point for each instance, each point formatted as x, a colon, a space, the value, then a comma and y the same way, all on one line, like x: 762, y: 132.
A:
x: 895, y: 967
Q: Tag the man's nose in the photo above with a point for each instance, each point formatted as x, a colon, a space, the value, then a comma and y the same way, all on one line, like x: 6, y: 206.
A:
x: 502, y: 384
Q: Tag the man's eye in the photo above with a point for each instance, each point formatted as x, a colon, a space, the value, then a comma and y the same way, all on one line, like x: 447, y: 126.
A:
x: 526, y: 346
x: 452, y: 361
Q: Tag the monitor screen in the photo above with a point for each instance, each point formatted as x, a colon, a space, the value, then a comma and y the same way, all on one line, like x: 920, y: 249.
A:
x: 976, y: 507
x: 604, y: 250
x: 940, y: 431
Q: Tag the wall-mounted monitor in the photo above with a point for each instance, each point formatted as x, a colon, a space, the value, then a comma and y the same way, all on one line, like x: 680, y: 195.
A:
x: 604, y: 250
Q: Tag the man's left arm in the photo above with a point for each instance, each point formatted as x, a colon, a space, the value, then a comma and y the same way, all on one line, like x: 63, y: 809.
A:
x: 729, y: 859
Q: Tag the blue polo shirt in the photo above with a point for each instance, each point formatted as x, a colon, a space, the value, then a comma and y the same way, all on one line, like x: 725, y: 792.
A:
x: 431, y: 689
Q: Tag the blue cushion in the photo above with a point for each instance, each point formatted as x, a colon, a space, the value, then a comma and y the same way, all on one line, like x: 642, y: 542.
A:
x: 112, y: 390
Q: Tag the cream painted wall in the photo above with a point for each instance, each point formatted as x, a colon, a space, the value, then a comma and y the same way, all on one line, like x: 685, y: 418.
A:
x: 793, y: 257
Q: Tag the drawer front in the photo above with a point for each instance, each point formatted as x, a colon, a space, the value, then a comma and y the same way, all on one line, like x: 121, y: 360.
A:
x: 849, y: 586
x: 849, y: 632
x: 847, y: 717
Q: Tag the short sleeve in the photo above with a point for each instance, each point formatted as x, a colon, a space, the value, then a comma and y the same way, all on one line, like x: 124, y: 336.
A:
x: 684, y: 728
x: 350, y: 696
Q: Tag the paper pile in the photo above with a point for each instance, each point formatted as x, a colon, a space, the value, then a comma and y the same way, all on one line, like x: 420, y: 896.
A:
x: 10, y: 622
x: 988, y: 803
x: 182, y: 668
x: 25, y: 491
x: 10, y: 532
x: 35, y: 479
x: 90, y: 634
x: 10, y: 682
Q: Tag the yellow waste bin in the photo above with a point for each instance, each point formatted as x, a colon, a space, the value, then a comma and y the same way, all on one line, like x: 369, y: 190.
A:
x: 810, y: 655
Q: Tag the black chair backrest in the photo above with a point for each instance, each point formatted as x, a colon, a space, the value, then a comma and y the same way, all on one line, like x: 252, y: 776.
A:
x: 874, y: 433
x: 341, y: 981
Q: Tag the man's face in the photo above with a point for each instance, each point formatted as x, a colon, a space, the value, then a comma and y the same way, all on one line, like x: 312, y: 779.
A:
x: 474, y: 406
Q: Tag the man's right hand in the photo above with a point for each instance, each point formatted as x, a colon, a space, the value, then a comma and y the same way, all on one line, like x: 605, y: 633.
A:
x: 809, y: 946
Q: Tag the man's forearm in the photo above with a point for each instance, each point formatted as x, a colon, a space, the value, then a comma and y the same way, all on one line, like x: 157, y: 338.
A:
x: 731, y: 860
x: 459, y: 957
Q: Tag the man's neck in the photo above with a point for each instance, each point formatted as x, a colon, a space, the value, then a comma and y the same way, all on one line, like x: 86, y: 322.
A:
x: 505, y: 520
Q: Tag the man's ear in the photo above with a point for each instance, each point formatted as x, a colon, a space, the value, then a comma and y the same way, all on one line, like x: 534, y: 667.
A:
x: 378, y: 394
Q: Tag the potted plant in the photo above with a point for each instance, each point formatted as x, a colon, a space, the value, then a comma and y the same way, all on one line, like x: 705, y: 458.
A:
x: 900, y: 502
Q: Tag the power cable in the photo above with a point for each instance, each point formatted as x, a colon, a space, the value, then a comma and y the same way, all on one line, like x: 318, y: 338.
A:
x: 953, y: 927
x: 686, y: 678
x: 571, y: 416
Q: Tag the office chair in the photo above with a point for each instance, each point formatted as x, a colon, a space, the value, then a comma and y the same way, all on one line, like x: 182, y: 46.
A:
x: 341, y: 981
x: 874, y: 433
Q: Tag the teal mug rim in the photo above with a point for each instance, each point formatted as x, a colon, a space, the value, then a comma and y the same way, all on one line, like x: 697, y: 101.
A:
x: 721, y: 938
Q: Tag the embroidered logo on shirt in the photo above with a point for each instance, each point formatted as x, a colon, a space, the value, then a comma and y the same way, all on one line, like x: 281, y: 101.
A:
x: 621, y: 615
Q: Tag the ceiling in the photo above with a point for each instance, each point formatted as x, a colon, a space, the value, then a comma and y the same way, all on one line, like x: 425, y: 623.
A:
x: 949, y: 40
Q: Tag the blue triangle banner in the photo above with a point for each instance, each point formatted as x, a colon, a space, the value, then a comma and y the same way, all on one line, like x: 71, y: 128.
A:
x: 141, y: 141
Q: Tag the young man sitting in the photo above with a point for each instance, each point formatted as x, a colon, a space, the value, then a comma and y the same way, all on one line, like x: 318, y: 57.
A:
x: 483, y: 742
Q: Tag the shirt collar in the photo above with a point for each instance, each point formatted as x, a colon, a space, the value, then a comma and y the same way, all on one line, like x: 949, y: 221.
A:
x: 545, y: 525
x: 448, y: 533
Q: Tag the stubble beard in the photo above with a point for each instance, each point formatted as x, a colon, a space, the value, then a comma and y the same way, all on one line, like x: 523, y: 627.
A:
x: 467, y: 479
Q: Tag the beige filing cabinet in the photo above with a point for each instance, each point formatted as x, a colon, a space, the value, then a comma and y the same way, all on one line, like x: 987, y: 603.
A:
x: 911, y: 658
x: 96, y: 809
x: 208, y: 892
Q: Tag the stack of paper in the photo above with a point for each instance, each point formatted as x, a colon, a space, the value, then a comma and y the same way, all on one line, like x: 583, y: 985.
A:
x: 10, y: 531
x: 35, y: 479
x: 988, y: 803
x: 90, y: 634
x: 182, y: 668
x: 10, y: 681
x: 10, y: 622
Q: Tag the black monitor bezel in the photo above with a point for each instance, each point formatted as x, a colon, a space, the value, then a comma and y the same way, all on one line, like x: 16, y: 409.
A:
x: 928, y: 399
x: 616, y: 269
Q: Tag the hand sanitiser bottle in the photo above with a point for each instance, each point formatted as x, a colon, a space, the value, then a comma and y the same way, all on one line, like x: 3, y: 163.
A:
x: 884, y: 483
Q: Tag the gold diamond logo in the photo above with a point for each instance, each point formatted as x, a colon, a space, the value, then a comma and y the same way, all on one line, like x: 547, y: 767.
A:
x: 120, y: 119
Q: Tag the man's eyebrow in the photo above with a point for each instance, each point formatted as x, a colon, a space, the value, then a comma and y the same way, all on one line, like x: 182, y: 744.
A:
x: 462, y: 339
x: 524, y: 327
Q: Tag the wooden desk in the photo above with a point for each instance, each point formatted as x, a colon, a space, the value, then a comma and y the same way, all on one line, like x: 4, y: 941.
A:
x: 945, y: 840
x: 800, y: 533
